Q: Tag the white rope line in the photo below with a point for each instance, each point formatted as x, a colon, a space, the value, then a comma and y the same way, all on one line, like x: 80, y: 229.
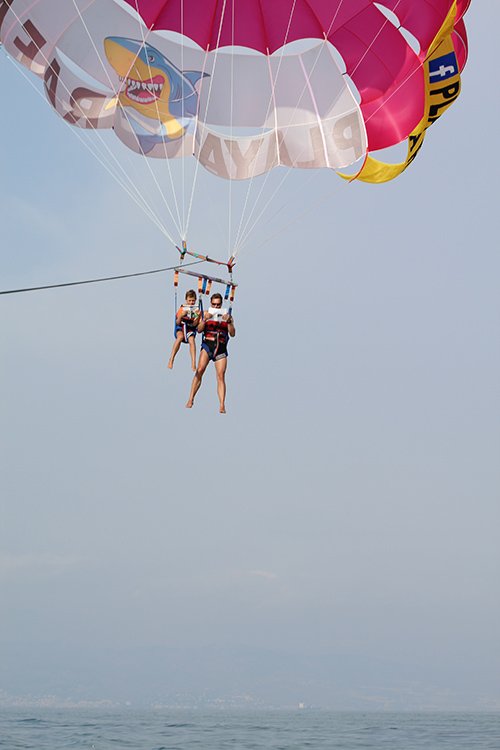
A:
x: 297, y: 218
x: 268, y: 182
x: 245, y: 239
x: 177, y: 223
x: 274, y: 82
x: 183, y: 166
x: 243, y: 233
x: 286, y: 177
x: 80, y: 16
x: 209, y: 95
x: 272, y: 101
x: 131, y: 188
x: 285, y: 130
x: 231, y: 121
x: 124, y: 112
x: 306, y: 86
x: 248, y: 231
x: 111, y: 86
x: 147, y: 160
x: 375, y: 38
x: 197, y: 163
x: 311, y: 177
x: 215, y: 216
x: 100, y: 157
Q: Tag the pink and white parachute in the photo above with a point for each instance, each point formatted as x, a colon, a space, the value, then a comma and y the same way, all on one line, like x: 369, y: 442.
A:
x: 246, y: 85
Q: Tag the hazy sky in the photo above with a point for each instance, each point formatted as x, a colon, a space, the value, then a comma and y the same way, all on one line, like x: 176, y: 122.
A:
x: 348, y: 501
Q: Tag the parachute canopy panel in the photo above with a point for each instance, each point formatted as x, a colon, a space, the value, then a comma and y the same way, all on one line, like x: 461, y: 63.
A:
x: 111, y: 64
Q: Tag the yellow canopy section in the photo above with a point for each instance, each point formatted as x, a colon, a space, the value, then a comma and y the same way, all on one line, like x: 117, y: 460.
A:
x: 442, y: 87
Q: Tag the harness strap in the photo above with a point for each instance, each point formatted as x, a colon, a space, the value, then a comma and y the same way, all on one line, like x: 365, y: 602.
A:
x: 175, y: 306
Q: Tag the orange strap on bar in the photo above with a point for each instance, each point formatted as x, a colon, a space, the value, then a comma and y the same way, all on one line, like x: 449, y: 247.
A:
x: 233, y: 289
x: 176, y: 278
x: 200, y: 285
x: 209, y: 284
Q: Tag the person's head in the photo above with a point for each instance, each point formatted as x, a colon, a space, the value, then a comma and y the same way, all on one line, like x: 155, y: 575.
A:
x: 191, y: 297
x: 216, y: 300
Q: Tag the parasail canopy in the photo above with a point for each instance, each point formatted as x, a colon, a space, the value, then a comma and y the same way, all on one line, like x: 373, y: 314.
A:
x: 247, y: 85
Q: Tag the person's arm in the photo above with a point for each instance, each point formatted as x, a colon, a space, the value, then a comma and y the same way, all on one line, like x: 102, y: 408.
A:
x: 230, y: 327
x: 180, y: 313
x: 201, y: 324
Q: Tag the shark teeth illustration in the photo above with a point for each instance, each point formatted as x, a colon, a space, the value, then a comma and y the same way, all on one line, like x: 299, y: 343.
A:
x: 133, y: 87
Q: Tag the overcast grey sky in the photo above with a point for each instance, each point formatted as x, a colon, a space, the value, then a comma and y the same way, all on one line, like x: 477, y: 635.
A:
x: 348, y: 501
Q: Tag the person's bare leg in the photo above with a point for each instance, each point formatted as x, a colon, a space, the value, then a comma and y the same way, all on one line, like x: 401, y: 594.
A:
x: 192, y: 350
x: 220, y: 371
x: 175, y: 349
x: 195, y: 387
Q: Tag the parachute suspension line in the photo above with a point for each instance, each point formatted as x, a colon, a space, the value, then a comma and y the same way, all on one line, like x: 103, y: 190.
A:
x: 268, y: 181
x: 339, y: 7
x: 271, y: 103
x: 244, y: 241
x: 108, y: 161
x: 301, y: 216
x: 256, y: 220
x: 266, y: 206
x: 160, y: 191
x: 231, y: 120
x: 216, y: 53
x: 393, y: 93
x: 258, y: 202
x: 103, y: 66
x: 80, y: 16
x: 131, y: 189
x: 183, y: 165
x: 176, y: 284
x: 197, y: 165
x: 404, y: 81
x: 292, y: 197
x: 315, y: 105
x: 111, y: 85
x: 368, y: 48
x: 178, y: 222
x: 430, y: 51
x: 217, y: 217
x: 273, y: 100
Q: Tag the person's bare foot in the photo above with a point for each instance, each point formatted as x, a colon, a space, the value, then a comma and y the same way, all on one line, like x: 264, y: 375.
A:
x: 222, y: 410
x: 170, y: 365
x: 189, y: 404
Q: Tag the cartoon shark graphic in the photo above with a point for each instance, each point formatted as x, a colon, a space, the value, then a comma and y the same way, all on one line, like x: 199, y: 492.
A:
x: 152, y: 85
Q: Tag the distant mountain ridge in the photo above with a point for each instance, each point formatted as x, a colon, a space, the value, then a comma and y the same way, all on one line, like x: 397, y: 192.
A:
x: 231, y: 677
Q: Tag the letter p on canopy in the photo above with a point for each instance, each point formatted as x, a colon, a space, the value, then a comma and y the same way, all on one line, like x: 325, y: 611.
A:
x: 347, y: 133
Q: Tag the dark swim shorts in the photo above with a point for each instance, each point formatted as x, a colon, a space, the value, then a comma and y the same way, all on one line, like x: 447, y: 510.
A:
x: 215, y: 348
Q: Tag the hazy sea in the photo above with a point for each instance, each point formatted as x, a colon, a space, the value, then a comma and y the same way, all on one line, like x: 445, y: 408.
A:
x: 162, y: 729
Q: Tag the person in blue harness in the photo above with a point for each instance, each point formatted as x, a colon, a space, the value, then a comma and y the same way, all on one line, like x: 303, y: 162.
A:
x: 186, y: 323
x: 216, y: 329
